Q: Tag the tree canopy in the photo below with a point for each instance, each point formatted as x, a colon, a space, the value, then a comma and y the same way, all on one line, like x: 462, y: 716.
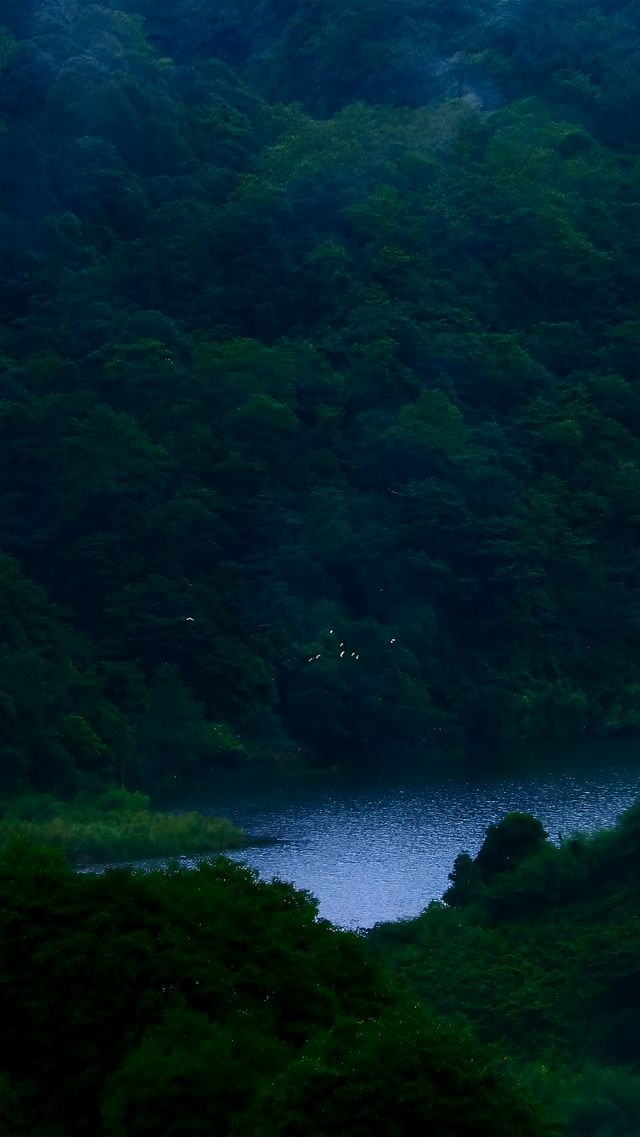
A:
x: 536, y: 949
x: 187, y: 1003
x: 319, y: 345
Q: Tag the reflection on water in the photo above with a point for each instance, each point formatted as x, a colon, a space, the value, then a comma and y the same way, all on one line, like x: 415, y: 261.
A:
x: 383, y: 851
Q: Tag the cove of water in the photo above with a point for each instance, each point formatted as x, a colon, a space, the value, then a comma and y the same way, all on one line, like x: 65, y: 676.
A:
x: 382, y: 850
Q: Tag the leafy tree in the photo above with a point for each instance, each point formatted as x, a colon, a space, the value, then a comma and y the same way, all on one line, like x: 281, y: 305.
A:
x: 208, y: 999
x: 397, y: 1075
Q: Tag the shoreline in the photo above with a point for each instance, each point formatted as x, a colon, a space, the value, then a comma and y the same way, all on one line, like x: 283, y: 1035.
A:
x: 116, y: 827
x: 182, y: 860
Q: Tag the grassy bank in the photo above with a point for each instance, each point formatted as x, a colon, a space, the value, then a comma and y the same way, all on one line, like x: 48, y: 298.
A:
x: 116, y: 826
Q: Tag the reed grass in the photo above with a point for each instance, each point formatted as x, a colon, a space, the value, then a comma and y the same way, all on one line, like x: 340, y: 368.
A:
x: 117, y: 826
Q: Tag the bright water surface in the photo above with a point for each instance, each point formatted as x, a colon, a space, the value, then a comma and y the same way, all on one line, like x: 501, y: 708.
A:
x: 383, y: 850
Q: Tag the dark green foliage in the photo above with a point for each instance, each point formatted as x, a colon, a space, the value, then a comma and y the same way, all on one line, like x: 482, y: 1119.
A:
x: 365, y: 362
x: 541, y: 957
x: 198, y: 1002
x: 113, y: 826
x: 56, y: 725
x: 319, y: 435
x: 506, y: 846
x: 400, y: 1075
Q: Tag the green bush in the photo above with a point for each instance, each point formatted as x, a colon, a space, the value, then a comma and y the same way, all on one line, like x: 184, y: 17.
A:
x: 117, y: 826
x: 191, y: 1003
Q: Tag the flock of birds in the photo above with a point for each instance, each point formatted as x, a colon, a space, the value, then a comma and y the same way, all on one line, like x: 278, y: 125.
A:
x: 342, y: 649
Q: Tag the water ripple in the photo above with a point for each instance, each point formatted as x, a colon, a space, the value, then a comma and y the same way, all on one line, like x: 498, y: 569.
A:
x: 383, y: 854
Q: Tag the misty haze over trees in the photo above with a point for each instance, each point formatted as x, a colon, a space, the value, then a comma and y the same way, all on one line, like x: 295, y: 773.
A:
x: 319, y: 449
x: 315, y: 318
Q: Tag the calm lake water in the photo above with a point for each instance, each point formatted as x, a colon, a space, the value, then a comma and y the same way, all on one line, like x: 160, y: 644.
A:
x: 382, y: 850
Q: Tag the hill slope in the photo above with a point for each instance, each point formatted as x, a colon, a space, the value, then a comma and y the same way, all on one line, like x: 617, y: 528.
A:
x: 320, y: 420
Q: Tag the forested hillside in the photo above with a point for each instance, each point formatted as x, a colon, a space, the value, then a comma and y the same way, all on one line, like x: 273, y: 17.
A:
x: 319, y: 344
x: 537, y: 949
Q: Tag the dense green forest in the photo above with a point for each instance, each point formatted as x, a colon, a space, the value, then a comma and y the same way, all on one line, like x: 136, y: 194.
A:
x: 190, y: 1004
x: 319, y: 446
x: 537, y: 948
x: 320, y: 423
